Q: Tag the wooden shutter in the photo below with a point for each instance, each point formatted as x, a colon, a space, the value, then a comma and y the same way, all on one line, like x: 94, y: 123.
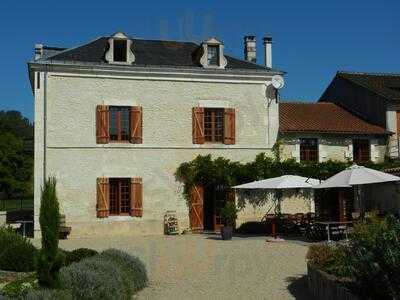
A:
x: 136, y: 197
x: 198, y: 125
x: 196, y: 208
x: 136, y: 125
x: 103, y: 188
x: 102, y: 124
x: 398, y: 121
x: 229, y: 126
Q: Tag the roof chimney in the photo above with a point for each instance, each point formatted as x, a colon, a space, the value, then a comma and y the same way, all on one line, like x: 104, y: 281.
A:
x: 250, y: 48
x: 267, y: 41
x: 38, y: 51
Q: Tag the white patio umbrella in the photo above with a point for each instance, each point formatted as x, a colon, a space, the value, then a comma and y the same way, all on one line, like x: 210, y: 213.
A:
x: 282, y: 182
x: 357, y: 176
x: 278, y: 184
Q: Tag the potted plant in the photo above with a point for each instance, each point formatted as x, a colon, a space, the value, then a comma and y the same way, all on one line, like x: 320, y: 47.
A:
x: 229, y: 215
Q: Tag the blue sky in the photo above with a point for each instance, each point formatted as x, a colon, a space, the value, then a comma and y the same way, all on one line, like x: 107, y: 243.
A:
x: 312, y: 39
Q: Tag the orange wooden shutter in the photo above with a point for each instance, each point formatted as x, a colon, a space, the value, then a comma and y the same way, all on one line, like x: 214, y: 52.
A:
x: 398, y: 122
x: 198, y: 125
x: 196, y: 208
x: 102, y: 124
x: 136, y: 125
x: 229, y: 126
x: 136, y: 197
x: 103, y: 188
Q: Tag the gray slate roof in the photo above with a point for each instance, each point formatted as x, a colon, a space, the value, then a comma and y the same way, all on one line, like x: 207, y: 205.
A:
x: 387, y: 85
x: 150, y: 53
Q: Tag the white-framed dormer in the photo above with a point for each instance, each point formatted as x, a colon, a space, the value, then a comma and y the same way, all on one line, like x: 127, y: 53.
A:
x: 120, y: 51
x: 213, y: 54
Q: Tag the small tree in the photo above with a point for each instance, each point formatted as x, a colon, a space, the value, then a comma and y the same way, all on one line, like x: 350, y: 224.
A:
x: 50, y: 260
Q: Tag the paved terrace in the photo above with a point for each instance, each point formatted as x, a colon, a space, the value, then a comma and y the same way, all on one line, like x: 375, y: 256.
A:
x: 205, y: 267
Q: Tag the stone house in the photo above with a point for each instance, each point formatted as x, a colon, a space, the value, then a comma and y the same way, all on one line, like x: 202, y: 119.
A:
x: 374, y: 97
x: 325, y: 131
x: 116, y: 116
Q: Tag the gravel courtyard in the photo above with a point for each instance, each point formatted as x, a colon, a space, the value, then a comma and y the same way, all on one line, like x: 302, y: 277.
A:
x: 205, y: 267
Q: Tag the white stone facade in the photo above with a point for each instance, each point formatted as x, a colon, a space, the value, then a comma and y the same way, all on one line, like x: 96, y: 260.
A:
x: 339, y: 148
x: 65, y: 137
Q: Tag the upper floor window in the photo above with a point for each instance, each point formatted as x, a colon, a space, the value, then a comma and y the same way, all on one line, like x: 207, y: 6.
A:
x: 361, y: 150
x: 309, y: 150
x: 214, y: 125
x: 213, y: 55
x: 119, y: 123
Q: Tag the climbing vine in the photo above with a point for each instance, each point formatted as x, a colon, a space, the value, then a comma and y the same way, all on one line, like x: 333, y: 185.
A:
x: 209, y: 172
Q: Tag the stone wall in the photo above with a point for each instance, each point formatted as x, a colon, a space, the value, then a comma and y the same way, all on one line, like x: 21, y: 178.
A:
x: 254, y: 206
x: 66, y: 148
x: 331, y: 147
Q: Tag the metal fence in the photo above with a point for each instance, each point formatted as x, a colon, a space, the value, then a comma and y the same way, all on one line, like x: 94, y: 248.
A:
x: 15, y: 204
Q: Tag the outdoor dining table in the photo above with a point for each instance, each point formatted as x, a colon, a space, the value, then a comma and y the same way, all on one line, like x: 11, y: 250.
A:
x: 328, y: 224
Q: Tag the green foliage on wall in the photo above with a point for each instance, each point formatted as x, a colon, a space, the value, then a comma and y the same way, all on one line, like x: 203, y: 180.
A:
x: 208, y: 172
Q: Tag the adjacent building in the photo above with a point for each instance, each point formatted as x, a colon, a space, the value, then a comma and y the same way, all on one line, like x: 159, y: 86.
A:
x: 374, y: 97
x: 323, y: 131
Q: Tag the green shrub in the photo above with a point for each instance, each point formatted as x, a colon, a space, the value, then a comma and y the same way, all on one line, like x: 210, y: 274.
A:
x: 321, y: 256
x: 20, y: 287
x: 229, y: 213
x: 253, y: 227
x: 78, y: 254
x: 131, y: 265
x: 50, y: 259
x: 95, y: 277
x: 16, y: 252
x: 48, y: 295
x: 375, y: 258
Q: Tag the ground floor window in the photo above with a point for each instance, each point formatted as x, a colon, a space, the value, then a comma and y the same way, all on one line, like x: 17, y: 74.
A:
x: 120, y: 196
x: 309, y: 149
x: 361, y: 150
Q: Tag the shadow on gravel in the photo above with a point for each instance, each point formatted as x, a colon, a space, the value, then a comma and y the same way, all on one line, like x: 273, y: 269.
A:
x: 298, y: 288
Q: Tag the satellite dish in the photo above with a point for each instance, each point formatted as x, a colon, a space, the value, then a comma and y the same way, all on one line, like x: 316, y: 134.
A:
x: 277, y: 82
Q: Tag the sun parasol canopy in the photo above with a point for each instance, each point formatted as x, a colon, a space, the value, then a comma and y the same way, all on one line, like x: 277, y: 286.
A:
x: 282, y: 182
x: 356, y: 175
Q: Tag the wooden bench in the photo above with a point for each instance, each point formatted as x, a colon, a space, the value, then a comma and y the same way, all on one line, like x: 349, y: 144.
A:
x: 64, y: 231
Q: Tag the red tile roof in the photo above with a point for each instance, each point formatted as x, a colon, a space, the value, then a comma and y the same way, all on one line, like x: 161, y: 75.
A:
x: 322, y: 117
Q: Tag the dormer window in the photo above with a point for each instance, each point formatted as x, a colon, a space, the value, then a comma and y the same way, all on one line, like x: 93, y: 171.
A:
x: 213, y: 54
x: 120, y: 50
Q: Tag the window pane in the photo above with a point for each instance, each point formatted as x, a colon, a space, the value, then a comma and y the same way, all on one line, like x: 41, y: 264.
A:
x: 125, y: 124
x: 213, y: 55
x: 120, y: 196
x: 119, y: 123
x: 361, y: 150
x: 214, y: 124
x: 309, y: 150
x: 114, y: 123
x: 114, y: 197
x: 125, y: 197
